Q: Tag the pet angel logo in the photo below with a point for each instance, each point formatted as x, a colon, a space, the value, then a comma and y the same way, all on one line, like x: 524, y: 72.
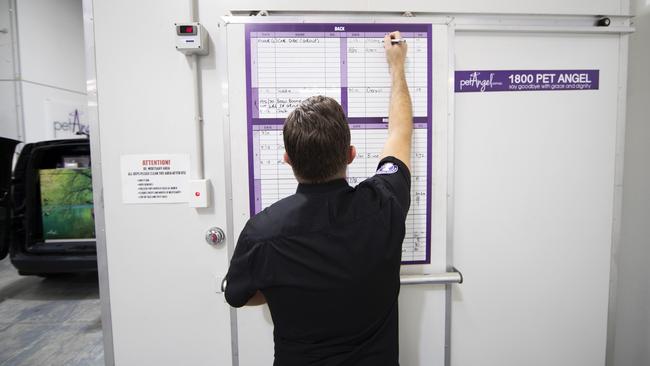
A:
x: 73, y: 127
x: 387, y: 168
x: 479, y: 82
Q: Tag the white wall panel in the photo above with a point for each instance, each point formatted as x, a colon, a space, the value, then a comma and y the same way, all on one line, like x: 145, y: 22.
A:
x: 632, y: 319
x: 8, y: 116
x: 38, y: 120
x: 534, y: 205
x: 593, y: 7
x: 51, y: 43
x: 8, y: 125
x: 162, y: 273
x: 6, y: 54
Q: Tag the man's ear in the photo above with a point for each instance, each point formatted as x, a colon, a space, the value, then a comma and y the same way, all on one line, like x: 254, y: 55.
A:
x: 286, y: 158
x: 352, y: 154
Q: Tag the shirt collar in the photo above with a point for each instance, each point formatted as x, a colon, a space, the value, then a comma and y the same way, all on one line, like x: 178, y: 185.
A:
x: 332, y: 185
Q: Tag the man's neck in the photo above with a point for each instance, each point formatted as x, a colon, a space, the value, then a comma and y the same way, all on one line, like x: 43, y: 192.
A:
x: 341, y: 175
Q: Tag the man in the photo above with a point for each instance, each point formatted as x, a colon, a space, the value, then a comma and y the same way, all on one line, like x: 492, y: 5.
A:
x: 327, y: 258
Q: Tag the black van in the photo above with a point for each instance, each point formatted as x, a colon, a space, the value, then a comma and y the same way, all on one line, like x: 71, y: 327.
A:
x: 47, y: 223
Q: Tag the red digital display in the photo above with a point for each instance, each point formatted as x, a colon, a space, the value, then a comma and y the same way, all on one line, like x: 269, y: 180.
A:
x: 186, y: 29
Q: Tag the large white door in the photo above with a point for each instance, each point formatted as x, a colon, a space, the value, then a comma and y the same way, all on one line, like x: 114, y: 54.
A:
x: 422, y: 307
x: 158, y: 270
x: 534, y: 196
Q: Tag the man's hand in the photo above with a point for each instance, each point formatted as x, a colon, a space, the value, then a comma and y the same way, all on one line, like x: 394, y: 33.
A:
x: 257, y: 299
x: 395, y: 53
x: 400, y: 111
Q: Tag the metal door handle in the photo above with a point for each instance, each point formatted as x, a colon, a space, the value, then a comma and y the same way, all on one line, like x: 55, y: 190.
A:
x: 433, y: 279
x: 446, y: 278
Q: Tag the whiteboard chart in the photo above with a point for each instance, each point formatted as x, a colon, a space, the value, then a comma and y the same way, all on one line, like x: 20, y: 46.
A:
x: 287, y: 63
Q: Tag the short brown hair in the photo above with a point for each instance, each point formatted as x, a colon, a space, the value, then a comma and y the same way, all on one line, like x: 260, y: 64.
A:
x: 317, y: 139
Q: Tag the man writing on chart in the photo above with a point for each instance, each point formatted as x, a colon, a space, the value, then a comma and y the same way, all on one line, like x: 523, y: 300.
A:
x: 327, y: 258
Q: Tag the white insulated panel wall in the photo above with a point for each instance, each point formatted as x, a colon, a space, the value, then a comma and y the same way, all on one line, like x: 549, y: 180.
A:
x: 593, y: 7
x: 632, y: 317
x: 8, y: 118
x: 534, y: 203
x: 51, y: 43
x: 162, y: 274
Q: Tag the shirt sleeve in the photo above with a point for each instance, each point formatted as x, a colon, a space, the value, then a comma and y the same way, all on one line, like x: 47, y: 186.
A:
x: 240, y: 285
x: 393, y: 175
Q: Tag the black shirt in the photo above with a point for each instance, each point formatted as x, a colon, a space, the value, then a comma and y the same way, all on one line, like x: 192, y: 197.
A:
x: 327, y: 260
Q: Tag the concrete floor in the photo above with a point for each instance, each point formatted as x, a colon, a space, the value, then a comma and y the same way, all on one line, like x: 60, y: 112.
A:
x: 49, y: 322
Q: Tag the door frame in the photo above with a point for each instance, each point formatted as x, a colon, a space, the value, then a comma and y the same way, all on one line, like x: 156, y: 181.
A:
x: 98, y: 191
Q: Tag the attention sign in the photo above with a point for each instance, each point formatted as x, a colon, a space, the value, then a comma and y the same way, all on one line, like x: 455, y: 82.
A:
x: 159, y: 178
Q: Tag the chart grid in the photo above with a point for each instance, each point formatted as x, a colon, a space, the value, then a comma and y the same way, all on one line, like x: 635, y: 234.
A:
x: 287, y: 63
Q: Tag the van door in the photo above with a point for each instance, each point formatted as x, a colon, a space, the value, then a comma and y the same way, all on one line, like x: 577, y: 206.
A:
x: 7, y: 149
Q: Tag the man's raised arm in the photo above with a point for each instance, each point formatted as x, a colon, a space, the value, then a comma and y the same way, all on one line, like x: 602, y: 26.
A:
x: 400, y: 112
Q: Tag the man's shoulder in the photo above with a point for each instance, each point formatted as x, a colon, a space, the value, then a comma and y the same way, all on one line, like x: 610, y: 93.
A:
x: 392, y: 181
x: 270, y: 221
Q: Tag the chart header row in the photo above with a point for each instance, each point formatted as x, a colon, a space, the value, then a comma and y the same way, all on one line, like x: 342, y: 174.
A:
x: 333, y: 34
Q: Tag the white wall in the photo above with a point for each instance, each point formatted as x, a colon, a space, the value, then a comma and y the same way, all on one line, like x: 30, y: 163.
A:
x: 8, y: 119
x: 51, y: 48
x: 632, y: 329
x: 37, y: 112
x: 161, y: 272
x: 591, y: 7
x: 534, y: 182
x: 6, y: 58
x: 51, y: 43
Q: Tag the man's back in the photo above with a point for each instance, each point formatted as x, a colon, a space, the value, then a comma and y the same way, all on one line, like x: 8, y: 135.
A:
x: 327, y: 261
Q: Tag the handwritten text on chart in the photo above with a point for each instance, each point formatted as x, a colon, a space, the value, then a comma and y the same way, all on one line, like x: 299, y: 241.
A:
x: 287, y: 64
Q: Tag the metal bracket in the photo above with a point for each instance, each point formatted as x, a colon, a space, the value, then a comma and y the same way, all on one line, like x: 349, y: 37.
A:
x: 260, y: 13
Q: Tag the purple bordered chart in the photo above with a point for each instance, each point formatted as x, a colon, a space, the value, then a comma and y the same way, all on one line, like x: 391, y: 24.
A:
x: 287, y: 63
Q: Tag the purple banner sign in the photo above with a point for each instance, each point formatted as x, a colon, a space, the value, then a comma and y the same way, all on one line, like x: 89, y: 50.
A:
x: 525, y: 80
